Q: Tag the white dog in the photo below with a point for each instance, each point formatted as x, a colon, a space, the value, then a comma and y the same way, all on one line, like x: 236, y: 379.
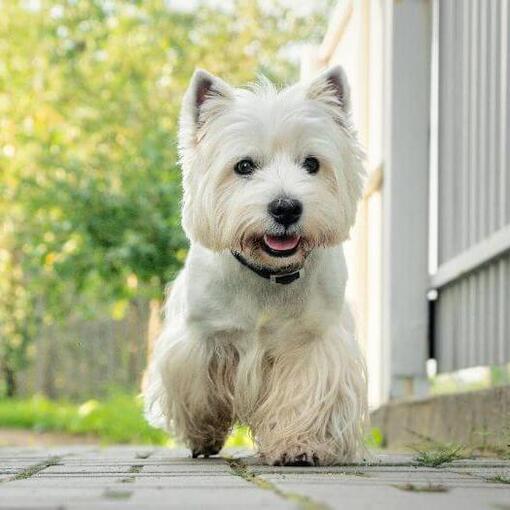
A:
x: 256, y: 328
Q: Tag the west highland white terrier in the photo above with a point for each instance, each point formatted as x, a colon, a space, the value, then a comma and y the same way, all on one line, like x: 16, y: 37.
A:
x: 256, y: 329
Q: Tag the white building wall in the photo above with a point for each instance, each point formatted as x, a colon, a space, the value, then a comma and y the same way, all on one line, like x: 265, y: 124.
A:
x: 354, y: 39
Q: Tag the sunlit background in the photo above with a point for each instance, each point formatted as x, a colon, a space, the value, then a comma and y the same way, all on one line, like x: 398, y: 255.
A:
x: 90, y: 190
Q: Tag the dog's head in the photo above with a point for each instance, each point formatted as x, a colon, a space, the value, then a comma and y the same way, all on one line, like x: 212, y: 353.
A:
x: 270, y: 174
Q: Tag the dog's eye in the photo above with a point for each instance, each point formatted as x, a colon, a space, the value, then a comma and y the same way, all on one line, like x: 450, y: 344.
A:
x: 244, y: 167
x: 311, y: 165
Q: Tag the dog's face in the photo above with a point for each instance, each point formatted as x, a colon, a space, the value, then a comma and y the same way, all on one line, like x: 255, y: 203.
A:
x: 269, y: 174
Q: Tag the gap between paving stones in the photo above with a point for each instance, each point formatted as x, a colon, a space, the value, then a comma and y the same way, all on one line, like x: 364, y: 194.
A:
x: 33, y: 469
x: 303, y: 502
x: 132, y: 471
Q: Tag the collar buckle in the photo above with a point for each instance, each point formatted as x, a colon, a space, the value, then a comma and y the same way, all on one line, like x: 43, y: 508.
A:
x: 282, y: 278
x: 287, y: 277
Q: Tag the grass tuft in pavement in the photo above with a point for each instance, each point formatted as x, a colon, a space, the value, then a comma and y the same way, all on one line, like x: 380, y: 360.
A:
x: 136, y: 468
x: 302, y: 502
x: 117, y: 494
x: 36, y: 468
x: 499, y: 479
x: 411, y: 487
x: 439, y: 454
x: 433, y: 453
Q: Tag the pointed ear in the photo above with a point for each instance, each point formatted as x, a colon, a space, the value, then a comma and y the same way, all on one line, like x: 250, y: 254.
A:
x: 204, y: 90
x: 332, y: 87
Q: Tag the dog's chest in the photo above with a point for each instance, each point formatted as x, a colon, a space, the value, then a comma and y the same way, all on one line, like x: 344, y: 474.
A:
x: 245, y: 308
x: 265, y: 318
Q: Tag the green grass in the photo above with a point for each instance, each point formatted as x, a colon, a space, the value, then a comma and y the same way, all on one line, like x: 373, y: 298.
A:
x: 439, y: 454
x: 499, y: 479
x: 116, y: 419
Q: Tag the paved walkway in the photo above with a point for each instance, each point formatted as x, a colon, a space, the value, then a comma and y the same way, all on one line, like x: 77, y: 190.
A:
x: 88, y: 477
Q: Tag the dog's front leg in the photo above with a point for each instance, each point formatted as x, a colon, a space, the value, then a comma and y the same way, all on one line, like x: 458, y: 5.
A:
x: 191, y: 384
x: 311, y: 403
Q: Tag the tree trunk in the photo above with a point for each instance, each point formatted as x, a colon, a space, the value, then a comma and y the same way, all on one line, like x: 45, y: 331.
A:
x: 10, y: 381
x: 154, y: 326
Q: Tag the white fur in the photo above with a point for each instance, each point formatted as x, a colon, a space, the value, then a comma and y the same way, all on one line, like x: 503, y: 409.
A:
x: 235, y: 347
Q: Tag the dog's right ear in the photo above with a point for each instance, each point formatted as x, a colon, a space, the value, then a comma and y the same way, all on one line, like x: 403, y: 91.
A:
x: 206, y: 94
x: 331, y: 87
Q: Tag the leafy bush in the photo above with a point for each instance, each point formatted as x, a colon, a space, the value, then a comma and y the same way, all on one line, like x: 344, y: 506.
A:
x: 117, y: 419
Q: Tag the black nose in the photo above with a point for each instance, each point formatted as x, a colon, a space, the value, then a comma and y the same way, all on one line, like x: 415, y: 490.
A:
x: 285, y: 211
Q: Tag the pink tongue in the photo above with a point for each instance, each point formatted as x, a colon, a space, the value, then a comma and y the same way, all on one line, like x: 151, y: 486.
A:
x: 281, y: 243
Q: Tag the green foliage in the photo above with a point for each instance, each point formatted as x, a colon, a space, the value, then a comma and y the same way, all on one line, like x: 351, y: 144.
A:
x: 116, y: 419
x: 374, y: 439
x: 240, y: 438
x: 17, y: 322
x: 470, y: 379
x: 89, y: 102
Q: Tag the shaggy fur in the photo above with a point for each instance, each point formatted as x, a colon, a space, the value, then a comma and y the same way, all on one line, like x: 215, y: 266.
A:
x: 236, y: 347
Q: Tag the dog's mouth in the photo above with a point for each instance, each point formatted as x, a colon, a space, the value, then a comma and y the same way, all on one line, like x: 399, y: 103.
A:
x: 281, y: 246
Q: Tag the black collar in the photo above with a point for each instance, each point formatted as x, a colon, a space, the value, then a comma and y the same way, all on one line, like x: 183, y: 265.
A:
x: 283, y: 278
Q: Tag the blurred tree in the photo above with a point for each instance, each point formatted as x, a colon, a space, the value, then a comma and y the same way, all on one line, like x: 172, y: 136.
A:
x: 89, y: 101
x: 16, y: 324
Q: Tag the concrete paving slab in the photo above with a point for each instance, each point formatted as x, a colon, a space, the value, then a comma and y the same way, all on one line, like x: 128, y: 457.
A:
x: 79, y: 478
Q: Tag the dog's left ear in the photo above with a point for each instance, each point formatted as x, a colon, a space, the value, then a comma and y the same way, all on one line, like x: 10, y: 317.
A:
x: 205, y: 95
x: 331, y: 87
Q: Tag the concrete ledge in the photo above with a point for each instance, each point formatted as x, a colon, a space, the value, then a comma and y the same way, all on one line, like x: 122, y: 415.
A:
x: 478, y: 418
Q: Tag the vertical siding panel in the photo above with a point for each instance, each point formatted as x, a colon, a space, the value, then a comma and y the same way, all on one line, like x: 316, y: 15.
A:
x: 446, y: 100
x: 478, y: 321
x: 486, y: 340
x: 473, y: 313
x: 507, y: 311
x: 472, y: 319
x: 501, y: 312
x: 491, y: 315
x: 463, y: 323
x: 506, y: 326
x: 481, y: 127
x: 439, y: 333
x: 464, y: 123
x: 456, y: 183
x: 457, y: 343
x: 473, y: 122
x: 493, y: 202
x: 441, y: 204
x: 452, y: 323
x: 503, y: 109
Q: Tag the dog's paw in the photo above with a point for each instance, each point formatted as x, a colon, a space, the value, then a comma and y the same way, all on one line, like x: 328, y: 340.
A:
x: 206, y: 450
x: 301, y: 459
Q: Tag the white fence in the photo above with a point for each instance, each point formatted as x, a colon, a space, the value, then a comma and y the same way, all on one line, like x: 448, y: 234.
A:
x: 431, y: 98
x: 472, y: 182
